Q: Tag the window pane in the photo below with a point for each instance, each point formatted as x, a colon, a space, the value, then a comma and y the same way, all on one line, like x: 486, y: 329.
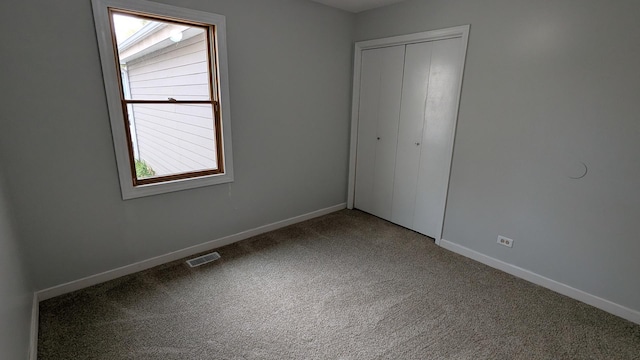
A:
x: 162, y: 60
x: 170, y: 139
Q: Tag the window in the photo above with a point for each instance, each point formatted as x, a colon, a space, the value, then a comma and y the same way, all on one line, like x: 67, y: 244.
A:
x: 165, y: 75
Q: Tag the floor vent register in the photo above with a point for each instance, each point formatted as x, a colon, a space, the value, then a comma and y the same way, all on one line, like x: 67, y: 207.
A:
x: 204, y: 259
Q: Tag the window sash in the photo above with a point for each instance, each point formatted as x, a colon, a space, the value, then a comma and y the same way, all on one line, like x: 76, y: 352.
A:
x: 213, y: 96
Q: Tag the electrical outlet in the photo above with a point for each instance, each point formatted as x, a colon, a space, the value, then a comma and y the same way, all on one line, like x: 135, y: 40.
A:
x: 505, y: 241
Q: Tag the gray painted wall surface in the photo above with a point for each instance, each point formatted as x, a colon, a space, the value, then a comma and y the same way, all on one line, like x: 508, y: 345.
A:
x: 15, y: 291
x: 290, y: 77
x: 548, y: 85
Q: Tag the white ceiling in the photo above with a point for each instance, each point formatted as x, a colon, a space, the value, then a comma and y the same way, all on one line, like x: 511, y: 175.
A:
x: 357, y: 5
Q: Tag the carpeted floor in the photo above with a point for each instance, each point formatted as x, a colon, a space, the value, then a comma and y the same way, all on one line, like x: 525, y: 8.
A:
x: 342, y: 286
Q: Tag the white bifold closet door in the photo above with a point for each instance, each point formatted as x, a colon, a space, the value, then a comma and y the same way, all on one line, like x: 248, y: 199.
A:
x: 406, y: 181
x: 380, y: 94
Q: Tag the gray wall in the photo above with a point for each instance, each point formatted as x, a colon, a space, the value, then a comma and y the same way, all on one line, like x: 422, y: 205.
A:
x: 290, y: 80
x: 548, y: 85
x: 15, y: 290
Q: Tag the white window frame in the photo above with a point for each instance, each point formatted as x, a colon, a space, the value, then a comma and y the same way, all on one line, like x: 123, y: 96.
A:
x: 112, y: 88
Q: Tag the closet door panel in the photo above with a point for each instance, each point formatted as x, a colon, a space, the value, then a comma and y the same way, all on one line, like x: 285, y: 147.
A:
x: 367, y: 129
x: 379, y: 113
x: 440, y: 115
x: 412, y: 112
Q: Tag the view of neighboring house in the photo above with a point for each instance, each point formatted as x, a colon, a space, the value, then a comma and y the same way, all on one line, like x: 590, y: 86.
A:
x: 164, y: 61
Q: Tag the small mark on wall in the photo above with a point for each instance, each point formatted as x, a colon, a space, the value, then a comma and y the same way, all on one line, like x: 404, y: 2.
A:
x: 579, y: 171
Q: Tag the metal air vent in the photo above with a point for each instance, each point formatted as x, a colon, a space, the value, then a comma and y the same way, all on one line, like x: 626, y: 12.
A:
x: 204, y: 259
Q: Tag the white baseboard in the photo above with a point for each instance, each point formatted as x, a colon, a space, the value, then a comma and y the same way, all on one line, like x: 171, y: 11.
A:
x: 600, y: 303
x: 176, y: 255
x: 33, y: 340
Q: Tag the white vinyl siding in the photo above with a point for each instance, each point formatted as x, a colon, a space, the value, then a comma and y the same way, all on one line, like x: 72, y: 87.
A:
x: 173, y: 138
x: 178, y: 71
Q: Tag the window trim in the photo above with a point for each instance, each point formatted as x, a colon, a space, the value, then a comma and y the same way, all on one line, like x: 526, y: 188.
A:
x: 113, y: 92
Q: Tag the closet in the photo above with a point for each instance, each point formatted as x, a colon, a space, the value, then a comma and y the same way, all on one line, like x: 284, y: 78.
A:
x: 406, y: 107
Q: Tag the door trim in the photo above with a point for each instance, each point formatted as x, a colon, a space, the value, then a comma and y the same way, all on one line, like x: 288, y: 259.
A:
x: 360, y: 46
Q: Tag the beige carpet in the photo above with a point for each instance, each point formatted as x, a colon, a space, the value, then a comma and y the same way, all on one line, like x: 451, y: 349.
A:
x: 343, y: 286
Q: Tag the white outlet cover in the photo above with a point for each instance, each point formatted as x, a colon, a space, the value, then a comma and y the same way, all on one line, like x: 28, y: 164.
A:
x: 505, y: 241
